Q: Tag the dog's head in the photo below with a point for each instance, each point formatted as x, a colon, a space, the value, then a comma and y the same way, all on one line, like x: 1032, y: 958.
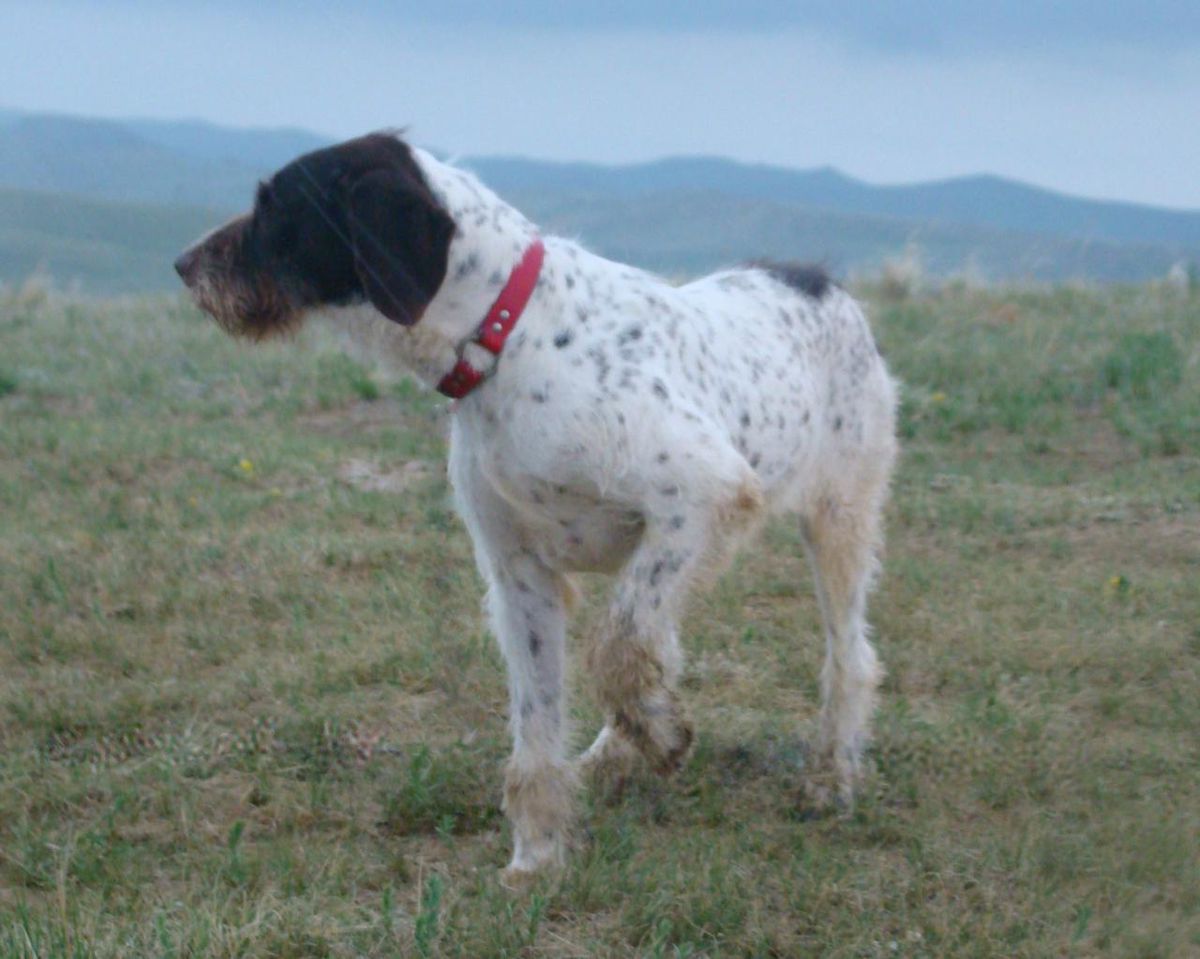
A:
x: 348, y: 224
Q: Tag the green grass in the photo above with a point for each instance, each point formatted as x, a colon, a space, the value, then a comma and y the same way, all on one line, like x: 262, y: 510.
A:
x: 248, y: 707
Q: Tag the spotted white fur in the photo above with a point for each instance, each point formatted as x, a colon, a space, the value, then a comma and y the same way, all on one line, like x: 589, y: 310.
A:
x: 638, y: 428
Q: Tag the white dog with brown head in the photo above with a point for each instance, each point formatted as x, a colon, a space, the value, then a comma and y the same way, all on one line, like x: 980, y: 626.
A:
x: 605, y: 420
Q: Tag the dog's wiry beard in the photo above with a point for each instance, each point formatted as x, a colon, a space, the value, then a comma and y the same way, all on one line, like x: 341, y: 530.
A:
x: 254, y: 309
x: 245, y: 302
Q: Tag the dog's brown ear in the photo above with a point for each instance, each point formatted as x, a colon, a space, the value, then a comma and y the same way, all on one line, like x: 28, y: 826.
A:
x: 401, y: 241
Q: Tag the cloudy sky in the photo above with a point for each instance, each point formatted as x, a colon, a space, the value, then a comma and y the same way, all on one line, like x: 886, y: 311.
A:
x: 1092, y: 97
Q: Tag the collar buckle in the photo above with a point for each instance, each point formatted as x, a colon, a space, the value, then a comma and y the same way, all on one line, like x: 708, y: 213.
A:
x: 497, y: 325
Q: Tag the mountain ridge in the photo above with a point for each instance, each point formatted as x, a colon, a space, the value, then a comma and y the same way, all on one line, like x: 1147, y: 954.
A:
x: 677, y: 215
x: 975, y: 198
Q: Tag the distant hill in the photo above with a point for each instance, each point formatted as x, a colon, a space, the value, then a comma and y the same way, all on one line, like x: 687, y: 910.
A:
x: 978, y: 200
x: 686, y: 233
x: 260, y: 150
x: 163, y: 182
x: 96, y: 246
x: 105, y: 247
x: 113, y: 161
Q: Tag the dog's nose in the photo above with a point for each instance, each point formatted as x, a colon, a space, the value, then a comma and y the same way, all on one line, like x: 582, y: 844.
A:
x: 186, y: 264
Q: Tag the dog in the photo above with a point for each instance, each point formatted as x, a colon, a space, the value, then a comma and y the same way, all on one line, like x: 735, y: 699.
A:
x: 604, y: 420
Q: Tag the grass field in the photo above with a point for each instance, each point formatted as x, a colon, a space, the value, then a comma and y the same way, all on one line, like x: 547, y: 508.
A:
x: 248, y: 707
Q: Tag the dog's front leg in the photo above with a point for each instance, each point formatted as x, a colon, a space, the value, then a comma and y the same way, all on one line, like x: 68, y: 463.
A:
x: 527, y: 602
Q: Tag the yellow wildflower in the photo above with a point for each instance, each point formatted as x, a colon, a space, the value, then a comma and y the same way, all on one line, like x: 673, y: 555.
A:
x: 1117, y: 584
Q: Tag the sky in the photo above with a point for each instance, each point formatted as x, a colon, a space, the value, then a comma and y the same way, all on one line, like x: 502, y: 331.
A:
x: 1090, y: 97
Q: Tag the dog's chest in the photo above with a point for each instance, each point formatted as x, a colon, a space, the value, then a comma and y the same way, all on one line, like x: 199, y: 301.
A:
x: 569, y: 527
x: 577, y: 534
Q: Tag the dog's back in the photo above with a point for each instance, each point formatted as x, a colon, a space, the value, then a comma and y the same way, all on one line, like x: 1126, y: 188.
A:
x: 796, y: 379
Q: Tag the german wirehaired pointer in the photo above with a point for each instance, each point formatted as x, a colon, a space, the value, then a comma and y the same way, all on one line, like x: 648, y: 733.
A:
x: 605, y: 420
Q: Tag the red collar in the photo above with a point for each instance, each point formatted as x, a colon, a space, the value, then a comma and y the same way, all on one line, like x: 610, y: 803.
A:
x: 498, y: 323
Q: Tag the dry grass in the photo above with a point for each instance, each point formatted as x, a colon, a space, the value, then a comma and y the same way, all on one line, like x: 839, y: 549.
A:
x: 247, y: 706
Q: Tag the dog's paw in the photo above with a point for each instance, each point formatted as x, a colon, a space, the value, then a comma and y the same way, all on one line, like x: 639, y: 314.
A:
x: 822, y: 799
x: 607, y: 765
x: 831, y: 782
x: 521, y: 881
x: 660, y: 731
x: 674, y: 748
x: 535, y: 864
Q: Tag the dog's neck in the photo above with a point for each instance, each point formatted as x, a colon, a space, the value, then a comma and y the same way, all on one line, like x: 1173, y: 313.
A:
x: 490, y: 239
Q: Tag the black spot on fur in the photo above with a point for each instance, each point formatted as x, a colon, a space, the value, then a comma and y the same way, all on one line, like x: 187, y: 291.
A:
x: 467, y: 266
x: 807, y: 278
x: 563, y: 339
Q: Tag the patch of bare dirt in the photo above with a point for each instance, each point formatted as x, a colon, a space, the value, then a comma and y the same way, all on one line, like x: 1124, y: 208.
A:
x: 365, y: 415
x: 1171, y: 539
x: 376, y: 478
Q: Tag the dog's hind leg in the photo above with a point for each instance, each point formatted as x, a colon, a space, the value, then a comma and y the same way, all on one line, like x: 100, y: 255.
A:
x: 843, y: 537
x: 695, y: 513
